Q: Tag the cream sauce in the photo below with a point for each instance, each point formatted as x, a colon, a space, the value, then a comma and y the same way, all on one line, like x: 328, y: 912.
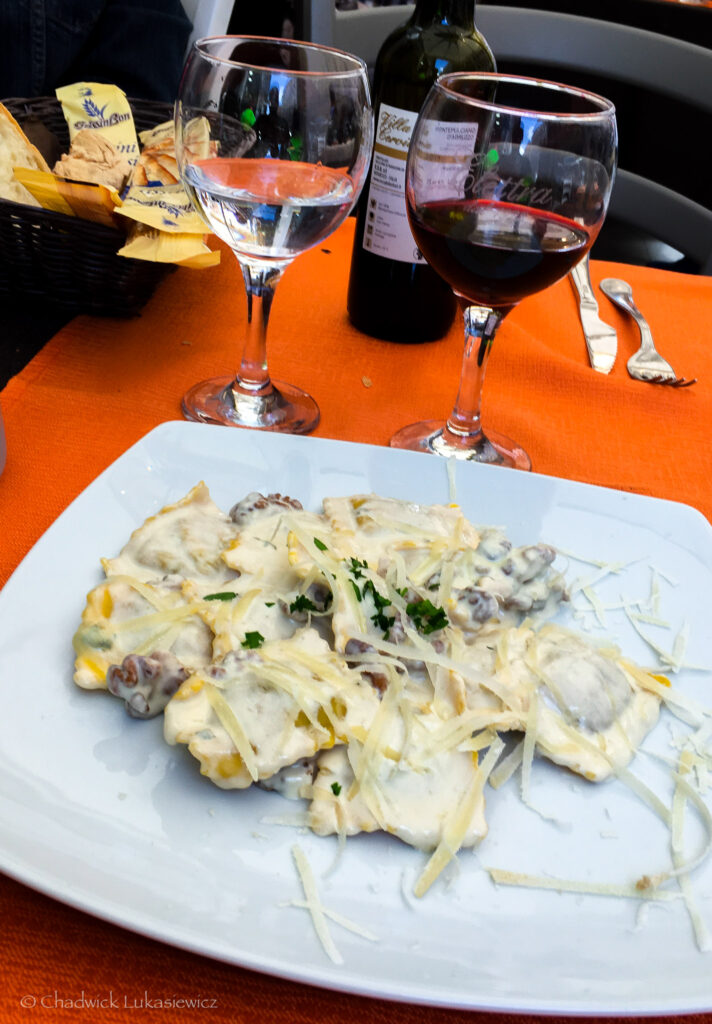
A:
x: 350, y: 657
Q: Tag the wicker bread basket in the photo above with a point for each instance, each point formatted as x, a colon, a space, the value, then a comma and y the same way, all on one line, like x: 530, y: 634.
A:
x: 69, y: 263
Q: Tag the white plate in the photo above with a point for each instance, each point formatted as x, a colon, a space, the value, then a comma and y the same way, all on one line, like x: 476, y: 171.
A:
x: 98, y: 812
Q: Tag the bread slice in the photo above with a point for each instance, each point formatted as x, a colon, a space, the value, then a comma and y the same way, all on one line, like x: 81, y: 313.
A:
x: 93, y: 158
x: 16, y: 151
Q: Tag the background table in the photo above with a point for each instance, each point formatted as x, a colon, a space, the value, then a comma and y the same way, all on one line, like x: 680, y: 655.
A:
x: 99, y: 385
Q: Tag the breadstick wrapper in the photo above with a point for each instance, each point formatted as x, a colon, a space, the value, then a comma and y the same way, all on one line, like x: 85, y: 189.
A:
x: 103, y: 108
x: 165, y: 207
x: 186, y: 250
x: 166, y: 229
x: 73, y: 198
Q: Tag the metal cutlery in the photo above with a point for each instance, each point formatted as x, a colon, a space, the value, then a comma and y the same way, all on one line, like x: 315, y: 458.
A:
x: 601, y: 340
x: 646, y: 364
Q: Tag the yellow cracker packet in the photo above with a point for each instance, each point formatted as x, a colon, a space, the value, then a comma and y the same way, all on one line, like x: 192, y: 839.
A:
x: 73, y: 198
x: 186, y: 250
x: 164, y: 207
x: 104, y: 108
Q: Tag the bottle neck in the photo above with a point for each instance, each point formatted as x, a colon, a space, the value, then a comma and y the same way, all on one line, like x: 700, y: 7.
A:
x: 460, y: 13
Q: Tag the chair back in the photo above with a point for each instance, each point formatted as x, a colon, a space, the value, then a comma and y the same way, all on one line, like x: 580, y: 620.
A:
x: 573, y: 48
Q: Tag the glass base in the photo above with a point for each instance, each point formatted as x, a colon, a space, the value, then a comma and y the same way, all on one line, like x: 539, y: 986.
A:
x: 284, y: 408
x: 492, y: 449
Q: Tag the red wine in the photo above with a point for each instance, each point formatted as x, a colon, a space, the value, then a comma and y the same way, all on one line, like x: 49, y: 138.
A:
x: 493, y: 253
x: 393, y: 293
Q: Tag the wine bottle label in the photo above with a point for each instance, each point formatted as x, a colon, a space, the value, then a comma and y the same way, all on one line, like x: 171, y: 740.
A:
x: 446, y: 159
x: 387, y: 232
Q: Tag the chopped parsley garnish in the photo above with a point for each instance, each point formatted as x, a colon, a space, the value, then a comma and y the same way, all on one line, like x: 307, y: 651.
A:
x: 379, y: 619
x: 355, y: 568
x: 253, y: 640
x: 383, y: 622
x: 225, y: 595
x: 336, y: 788
x: 426, y: 617
x: 269, y: 604
x: 320, y: 544
x: 378, y: 599
x: 302, y: 604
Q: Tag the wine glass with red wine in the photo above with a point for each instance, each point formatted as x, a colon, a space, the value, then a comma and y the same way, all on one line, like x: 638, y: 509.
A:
x: 273, y: 142
x: 507, y: 186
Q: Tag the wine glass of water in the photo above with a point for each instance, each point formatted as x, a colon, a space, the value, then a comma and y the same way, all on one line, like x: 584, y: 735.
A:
x: 507, y: 186
x: 273, y: 141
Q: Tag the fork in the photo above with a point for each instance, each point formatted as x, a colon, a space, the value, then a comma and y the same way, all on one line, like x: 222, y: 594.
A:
x: 646, y: 364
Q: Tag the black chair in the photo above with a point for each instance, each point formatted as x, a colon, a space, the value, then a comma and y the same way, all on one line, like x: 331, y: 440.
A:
x: 662, y: 88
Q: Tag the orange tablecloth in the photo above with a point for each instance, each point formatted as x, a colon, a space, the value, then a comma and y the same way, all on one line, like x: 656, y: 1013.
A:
x: 100, y: 385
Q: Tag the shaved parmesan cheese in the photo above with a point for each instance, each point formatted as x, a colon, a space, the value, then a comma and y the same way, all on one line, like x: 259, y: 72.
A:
x: 343, y: 922
x: 606, y: 569
x: 528, y: 748
x: 633, y: 891
x: 507, y: 766
x: 450, y: 467
x: 313, y: 905
x: 231, y: 725
x: 675, y: 658
x: 649, y: 619
x: 702, y: 934
x: 596, y: 603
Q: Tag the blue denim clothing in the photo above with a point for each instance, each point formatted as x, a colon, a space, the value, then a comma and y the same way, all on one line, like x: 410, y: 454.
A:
x: 138, y: 45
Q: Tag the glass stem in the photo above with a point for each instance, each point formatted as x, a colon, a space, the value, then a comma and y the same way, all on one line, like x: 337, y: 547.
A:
x: 260, y: 283
x: 464, y: 428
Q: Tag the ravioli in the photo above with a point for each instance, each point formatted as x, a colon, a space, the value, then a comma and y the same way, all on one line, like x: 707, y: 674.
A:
x: 587, y: 710
x: 259, y: 548
x: 126, y: 616
x: 363, y: 658
x: 396, y: 786
x: 256, y: 711
x: 186, y: 539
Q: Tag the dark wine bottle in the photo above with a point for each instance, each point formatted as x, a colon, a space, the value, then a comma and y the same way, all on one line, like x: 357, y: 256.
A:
x: 393, y: 293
